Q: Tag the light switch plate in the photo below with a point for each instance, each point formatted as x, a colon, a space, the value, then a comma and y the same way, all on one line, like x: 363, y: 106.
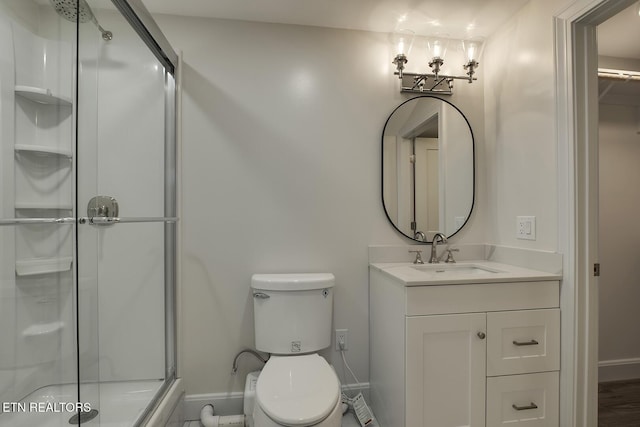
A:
x: 526, y: 227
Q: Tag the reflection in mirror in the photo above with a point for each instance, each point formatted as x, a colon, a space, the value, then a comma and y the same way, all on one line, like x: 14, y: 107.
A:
x: 427, y: 168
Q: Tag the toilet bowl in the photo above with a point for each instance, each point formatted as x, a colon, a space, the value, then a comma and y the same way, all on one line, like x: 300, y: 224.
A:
x: 297, y: 391
x: 296, y: 387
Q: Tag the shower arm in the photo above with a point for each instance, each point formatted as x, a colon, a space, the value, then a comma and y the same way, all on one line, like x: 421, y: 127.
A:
x: 106, y: 34
x: 79, y: 11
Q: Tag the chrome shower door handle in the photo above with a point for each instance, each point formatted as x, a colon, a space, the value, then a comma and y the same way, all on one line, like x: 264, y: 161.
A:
x: 99, y: 220
x: 103, y: 210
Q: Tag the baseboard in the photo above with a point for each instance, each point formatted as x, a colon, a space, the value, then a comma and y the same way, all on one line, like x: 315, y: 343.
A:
x: 232, y: 403
x: 618, y: 370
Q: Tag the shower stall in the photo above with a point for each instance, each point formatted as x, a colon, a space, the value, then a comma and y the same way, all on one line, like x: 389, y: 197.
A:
x: 87, y: 213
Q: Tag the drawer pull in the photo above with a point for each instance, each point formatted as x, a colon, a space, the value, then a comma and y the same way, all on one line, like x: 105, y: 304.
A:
x: 520, y: 343
x: 524, y: 408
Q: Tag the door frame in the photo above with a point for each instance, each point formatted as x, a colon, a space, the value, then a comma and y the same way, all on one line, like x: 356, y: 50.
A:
x: 576, y: 54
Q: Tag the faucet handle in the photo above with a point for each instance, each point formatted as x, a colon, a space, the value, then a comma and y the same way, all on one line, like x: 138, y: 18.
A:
x: 450, y: 255
x: 418, y: 259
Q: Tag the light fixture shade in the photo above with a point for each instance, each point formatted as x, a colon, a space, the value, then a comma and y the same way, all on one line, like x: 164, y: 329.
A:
x: 437, y: 47
x: 402, y: 41
x: 472, y: 49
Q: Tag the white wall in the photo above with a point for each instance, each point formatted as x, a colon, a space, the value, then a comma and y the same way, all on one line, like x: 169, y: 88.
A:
x: 619, y: 233
x: 281, y: 145
x: 520, y: 128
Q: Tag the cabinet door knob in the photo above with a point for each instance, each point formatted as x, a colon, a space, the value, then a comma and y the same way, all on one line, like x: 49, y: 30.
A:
x: 481, y: 335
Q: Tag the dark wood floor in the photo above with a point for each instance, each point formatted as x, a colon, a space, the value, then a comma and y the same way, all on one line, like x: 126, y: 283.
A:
x: 619, y: 404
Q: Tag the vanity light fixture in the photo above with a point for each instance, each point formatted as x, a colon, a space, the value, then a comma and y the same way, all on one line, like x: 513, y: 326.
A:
x: 472, y: 49
x: 402, y: 41
x: 437, y: 49
x: 434, y: 82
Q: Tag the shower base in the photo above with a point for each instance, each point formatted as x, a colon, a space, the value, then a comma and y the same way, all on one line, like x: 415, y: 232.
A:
x: 120, y: 404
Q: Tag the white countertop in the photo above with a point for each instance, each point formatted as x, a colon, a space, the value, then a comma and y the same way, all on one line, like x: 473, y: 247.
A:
x: 465, y: 272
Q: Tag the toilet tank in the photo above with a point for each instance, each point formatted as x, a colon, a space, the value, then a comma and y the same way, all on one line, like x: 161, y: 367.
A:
x: 292, y: 312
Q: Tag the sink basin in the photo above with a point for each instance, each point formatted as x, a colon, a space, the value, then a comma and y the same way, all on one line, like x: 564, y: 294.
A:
x: 455, y: 269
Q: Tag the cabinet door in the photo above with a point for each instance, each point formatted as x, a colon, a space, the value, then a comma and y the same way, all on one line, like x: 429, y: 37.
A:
x: 445, y: 370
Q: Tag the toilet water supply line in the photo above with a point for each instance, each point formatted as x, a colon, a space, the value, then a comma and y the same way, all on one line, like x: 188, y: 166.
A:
x: 254, y: 353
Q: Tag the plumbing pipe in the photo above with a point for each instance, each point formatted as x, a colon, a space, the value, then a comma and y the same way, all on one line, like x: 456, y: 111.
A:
x: 254, y: 353
x: 209, y: 420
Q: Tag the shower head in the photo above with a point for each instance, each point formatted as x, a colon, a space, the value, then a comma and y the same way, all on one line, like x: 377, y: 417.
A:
x: 79, y: 11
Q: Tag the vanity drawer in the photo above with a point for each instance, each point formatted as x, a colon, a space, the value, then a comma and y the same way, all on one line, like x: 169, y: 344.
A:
x: 481, y: 297
x: 530, y: 400
x: 523, y: 341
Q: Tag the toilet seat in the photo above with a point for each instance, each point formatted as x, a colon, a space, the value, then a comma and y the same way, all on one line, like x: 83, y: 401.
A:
x: 297, y: 390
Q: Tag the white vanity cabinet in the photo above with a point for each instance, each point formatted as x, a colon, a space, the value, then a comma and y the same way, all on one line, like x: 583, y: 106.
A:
x: 485, y: 354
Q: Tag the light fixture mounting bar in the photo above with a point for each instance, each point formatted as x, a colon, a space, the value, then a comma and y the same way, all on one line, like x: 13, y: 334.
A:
x: 429, y: 83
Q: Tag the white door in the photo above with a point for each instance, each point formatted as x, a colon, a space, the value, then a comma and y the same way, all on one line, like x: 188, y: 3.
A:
x: 445, y: 370
x: 427, y: 188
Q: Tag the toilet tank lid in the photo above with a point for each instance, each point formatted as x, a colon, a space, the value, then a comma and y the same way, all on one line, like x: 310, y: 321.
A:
x: 292, y: 281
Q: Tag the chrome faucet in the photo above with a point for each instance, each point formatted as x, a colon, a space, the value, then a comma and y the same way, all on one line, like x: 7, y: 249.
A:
x: 434, y: 244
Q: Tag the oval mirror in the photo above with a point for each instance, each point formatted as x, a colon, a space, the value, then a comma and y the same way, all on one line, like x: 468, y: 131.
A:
x: 428, y: 168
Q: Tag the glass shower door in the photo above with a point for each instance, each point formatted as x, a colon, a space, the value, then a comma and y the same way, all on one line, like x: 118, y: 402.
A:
x: 123, y: 224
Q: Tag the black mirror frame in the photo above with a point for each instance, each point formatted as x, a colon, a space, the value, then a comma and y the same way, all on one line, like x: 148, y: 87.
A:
x: 473, y: 153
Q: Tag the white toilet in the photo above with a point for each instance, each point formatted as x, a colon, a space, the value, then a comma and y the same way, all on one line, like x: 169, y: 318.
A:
x: 296, y: 387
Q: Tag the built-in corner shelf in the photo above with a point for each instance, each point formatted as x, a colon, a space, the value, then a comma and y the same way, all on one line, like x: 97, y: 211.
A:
x: 42, y: 95
x: 41, y: 150
x: 43, y: 329
x: 44, y: 206
x: 33, y: 267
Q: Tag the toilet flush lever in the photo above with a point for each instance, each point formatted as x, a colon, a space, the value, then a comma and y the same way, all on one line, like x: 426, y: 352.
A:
x: 261, y: 295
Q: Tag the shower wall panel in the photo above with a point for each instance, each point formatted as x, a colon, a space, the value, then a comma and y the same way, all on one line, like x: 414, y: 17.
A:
x: 36, y: 283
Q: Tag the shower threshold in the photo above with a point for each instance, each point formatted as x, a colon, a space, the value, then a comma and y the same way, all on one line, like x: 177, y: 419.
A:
x: 120, y: 404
